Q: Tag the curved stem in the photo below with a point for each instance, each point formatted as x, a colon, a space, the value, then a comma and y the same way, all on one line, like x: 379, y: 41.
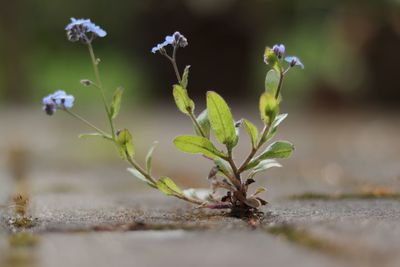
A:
x: 100, y: 86
x: 254, y: 150
x: 196, y: 124
x: 152, y: 180
x: 279, y: 84
x: 236, y: 179
x: 103, y: 133
x: 139, y: 169
x: 178, y: 76
x: 265, y: 131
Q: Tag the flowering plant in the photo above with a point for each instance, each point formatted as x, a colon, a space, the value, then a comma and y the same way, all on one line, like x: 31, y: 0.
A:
x: 234, y: 180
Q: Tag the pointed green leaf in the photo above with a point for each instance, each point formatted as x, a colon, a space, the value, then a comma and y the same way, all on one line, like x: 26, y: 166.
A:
x: 264, y: 165
x: 259, y: 190
x: 275, y: 124
x: 279, y: 149
x: 87, y: 135
x: 149, y: 157
x: 271, y: 82
x: 168, y: 187
x: 223, y: 166
x: 197, y: 145
x: 182, y: 99
x: 204, y: 123
x: 125, y: 142
x: 252, y: 131
x: 198, y: 194
x: 221, y: 119
x: 185, y: 77
x: 140, y: 176
x: 115, y: 105
x: 269, y: 107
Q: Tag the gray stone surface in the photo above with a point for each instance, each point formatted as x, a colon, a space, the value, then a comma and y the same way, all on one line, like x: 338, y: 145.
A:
x: 91, y: 212
x: 176, y: 248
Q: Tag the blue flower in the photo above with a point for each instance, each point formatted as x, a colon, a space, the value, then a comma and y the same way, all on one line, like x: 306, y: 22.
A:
x: 76, y: 23
x: 48, y: 105
x: 279, y: 50
x: 294, y: 61
x: 95, y: 29
x: 77, y: 30
x: 176, y: 40
x: 57, y: 100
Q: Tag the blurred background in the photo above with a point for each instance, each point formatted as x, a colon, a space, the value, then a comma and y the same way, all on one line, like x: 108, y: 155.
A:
x: 343, y: 106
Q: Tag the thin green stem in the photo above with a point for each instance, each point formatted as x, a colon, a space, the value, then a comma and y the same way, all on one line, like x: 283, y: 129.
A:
x: 279, y: 84
x: 103, y: 133
x: 178, y: 76
x: 255, y: 149
x: 100, y: 86
x: 196, y: 124
x: 152, y: 180
x: 139, y: 169
x: 236, y: 179
x: 265, y: 132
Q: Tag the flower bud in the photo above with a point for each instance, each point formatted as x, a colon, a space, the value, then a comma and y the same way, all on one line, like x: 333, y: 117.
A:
x: 279, y: 50
x: 86, y: 82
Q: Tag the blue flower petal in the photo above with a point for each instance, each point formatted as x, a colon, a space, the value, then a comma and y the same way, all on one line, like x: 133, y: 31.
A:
x: 176, y: 39
x: 91, y: 27
x: 169, y: 40
x: 294, y: 61
x: 78, y: 28
x: 57, y: 100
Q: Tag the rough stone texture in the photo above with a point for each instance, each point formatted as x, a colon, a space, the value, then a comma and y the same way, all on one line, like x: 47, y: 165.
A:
x: 91, y: 212
x: 176, y: 248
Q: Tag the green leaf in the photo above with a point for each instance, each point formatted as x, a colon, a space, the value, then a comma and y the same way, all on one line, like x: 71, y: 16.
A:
x: 252, y: 131
x: 223, y: 166
x: 271, y: 59
x: 116, y: 104
x: 198, y: 194
x: 185, y: 77
x: 221, y: 119
x: 279, y: 149
x: 140, y: 176
x: 269, y: 107
x: 87, y: 135
x: 149, y: 157
x: 197, y: 145
x: 182, y: 99
x: 274, y: 126
x: 264, y: 165
x: 168, y: 187
x: 125, y: 142
x: 271, y: 82
x: 259, y: 190
x: 204, y: 123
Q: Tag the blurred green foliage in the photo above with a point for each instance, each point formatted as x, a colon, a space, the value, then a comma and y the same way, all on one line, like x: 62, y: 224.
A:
x: 65, y: 69
x: 334, y: 39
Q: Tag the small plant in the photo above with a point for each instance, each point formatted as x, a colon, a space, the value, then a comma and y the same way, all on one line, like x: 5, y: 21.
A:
x: 225, y: 174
